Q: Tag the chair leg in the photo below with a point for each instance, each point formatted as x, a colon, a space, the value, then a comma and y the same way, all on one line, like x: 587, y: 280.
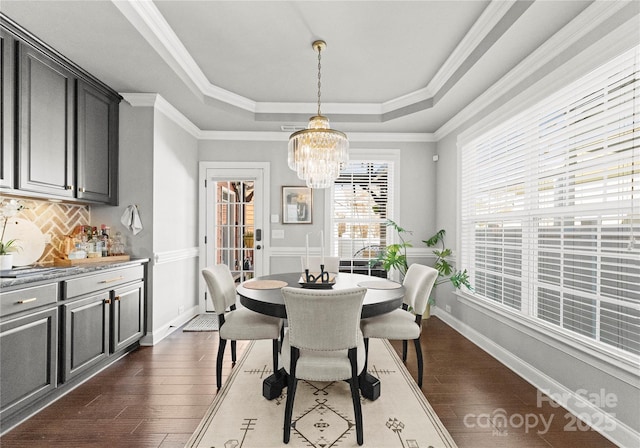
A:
x: 233, y: 352
x: 355, y: 395
x: 221, y: 347
x: 366, y: 356
x: 404, y: 350
x: 291, y: 393
x: 416, y: 342
x: 275, y: 352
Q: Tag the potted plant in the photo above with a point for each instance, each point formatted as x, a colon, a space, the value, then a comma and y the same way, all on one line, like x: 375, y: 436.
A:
x: 8, y: 209
x: 395, y: 255
x: 446, y: 272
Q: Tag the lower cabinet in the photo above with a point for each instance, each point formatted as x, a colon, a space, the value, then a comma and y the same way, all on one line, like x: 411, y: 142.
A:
x: 55, y: 335
x: 29, y: 347
x: 128, y: 316
x: 86, y: 333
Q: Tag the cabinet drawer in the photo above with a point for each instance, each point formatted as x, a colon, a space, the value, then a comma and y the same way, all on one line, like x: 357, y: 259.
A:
x: 104, y: 280
x: 27, y: 298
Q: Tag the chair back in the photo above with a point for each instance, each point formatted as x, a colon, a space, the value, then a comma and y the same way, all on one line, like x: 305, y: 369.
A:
x: 222, y: 288
x: 331, y: 264
x: 324, y: 320
x: 418, y: 283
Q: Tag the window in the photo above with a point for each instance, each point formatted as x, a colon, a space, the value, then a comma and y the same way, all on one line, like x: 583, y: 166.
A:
x: 550, y: 209
x: 361, y: 204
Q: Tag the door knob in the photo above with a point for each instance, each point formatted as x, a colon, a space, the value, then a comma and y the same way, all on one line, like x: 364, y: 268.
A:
x: 258, y: 247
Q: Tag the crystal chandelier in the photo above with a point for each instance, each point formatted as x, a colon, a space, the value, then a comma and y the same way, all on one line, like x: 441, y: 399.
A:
x: 318, y: 154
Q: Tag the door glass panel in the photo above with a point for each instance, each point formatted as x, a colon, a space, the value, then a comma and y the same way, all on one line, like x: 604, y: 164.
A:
x: 234, y: 218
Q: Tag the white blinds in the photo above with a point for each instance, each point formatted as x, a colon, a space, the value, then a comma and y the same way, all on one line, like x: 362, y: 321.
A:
x: 360, y: 210
x: 550, y: 208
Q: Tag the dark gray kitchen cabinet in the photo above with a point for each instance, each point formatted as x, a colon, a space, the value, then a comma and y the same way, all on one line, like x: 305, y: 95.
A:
x: 103, y: 314
x: 28, y: 346
x: 128, y: 316
x: 97, y: 151
x: 46, y: 125
x: 86, y: 333
x: 7, y: 96
x: 59, y: 124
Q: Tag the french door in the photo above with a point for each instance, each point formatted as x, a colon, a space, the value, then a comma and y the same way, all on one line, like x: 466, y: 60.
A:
x: 234, y: 223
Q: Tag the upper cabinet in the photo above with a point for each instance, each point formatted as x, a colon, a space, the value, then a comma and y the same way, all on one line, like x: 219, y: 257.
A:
x: 46, y: 153
x: 7, y: 108
x: 66, y: 124
x: 97, y: 150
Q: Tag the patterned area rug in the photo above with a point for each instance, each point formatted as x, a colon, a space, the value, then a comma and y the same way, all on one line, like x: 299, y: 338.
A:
x: 202, y: 322
x: 323, y: 413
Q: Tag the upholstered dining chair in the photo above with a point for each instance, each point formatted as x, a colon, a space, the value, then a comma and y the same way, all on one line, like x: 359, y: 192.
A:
x: 323, y: 342
x: 331, y: 264
x: 403, y: 324
x: 237, y: 324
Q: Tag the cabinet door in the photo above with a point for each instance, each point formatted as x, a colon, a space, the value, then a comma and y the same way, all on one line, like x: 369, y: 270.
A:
x: 28, y: 352
x: 7, y: 117
x: 97, y: 168
x: 46, y: 125
x: 128, y: 315
x: 86, y: 333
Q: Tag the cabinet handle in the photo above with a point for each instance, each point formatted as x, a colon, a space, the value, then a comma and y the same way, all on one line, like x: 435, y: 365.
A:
x: 116, y: 298
x: 81, y: 189
x: 107, y: 301
x: 111, y: 280
x: 68, y: 187
x: 33, y: 299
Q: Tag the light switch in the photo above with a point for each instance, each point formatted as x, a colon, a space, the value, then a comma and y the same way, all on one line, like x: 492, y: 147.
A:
x: 277, y: 234
x: 275, y: 218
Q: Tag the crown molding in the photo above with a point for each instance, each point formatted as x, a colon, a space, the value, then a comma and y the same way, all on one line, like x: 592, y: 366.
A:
x: 283, y: 136
x: 160, y: 104
x: 150, y: 23
x: 589, y: 20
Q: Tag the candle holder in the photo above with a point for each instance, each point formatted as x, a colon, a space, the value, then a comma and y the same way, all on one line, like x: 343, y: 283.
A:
x: 318, y: 281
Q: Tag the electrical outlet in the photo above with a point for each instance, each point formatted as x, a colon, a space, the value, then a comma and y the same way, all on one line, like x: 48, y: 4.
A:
x: 47, y: 238
x: 447, y: 308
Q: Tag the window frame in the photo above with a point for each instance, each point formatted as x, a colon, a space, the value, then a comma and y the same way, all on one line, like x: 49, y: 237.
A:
x: 622, y: 358
x: 391, y: 156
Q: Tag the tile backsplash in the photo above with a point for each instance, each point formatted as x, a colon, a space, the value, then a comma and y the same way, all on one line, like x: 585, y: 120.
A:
x: 56, y: 220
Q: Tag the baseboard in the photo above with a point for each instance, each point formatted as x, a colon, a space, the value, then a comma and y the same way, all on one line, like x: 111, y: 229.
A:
x: 607, y: 425
x: 156, y: 336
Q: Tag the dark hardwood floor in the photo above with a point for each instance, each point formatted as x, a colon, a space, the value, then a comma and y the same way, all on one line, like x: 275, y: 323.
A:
x: 156, y: 396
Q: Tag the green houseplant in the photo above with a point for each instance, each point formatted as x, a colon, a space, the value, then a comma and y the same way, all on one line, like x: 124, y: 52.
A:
x: 446, y: 272
x: 395, y: 255
x: 8, y: 209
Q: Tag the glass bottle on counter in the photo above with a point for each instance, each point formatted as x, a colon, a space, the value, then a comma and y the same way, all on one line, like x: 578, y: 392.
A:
x: 117, y: 245
x: 104, y: 237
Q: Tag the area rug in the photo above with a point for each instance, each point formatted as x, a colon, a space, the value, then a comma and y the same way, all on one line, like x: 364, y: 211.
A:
x: 240, y: 417
x: 202, y: 322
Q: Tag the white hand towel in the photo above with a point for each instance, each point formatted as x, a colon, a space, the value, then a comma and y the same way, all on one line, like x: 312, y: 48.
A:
x: 131, y: 219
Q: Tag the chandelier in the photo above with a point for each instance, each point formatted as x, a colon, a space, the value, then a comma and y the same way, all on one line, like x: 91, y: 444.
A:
x: 318, y: 154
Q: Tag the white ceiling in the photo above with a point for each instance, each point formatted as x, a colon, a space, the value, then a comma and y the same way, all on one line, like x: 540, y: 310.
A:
x: 390, y: 66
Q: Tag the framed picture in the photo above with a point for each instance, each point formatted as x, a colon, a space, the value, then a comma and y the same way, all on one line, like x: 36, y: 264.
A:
x: 297, y: 203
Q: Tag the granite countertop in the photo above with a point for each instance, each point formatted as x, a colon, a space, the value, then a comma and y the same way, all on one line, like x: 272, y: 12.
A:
x: 47, y: 273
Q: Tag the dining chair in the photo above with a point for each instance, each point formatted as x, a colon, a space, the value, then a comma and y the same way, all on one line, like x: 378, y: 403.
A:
x: 405, y: 323
x: 237, y: 324
x: 331, y: 264
x: 323, y: 342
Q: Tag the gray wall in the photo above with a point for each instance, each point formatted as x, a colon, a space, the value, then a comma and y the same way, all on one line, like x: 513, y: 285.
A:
x: 159, y: 173
x: 416, y: 210
x: 547, y: 362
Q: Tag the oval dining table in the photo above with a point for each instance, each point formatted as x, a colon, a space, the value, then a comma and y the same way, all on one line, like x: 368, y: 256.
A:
x: 263, y: 295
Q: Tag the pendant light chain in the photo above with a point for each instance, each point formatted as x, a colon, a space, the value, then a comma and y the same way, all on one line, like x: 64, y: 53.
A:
x: 319, y: 77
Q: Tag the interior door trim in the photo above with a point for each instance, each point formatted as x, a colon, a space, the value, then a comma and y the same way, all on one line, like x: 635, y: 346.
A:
x: 204, y: 166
